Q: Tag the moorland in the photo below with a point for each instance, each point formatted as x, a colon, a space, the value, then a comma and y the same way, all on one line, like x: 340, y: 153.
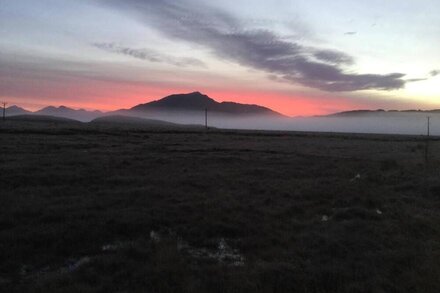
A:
x: 126, y: 208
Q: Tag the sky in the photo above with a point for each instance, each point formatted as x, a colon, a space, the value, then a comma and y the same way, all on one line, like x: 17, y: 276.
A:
x: 298, y: 57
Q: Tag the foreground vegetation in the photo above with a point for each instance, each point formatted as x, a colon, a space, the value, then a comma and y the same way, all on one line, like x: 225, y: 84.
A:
x: 112, y: 209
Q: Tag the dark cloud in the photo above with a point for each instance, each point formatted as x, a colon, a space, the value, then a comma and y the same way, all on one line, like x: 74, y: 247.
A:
x: 416, y: 79
x: 334, y: 57
x: 434, y: 73
x: 149, y: 55
x: 260, y: 49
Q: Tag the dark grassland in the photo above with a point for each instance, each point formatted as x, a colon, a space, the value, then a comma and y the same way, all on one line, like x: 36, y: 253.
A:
x: 68, y: 189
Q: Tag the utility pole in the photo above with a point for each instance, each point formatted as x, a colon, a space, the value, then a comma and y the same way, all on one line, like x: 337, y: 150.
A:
x: 427, y: 165
x: 429, y: 126
x: 4, y: 110
x: 206, y: 118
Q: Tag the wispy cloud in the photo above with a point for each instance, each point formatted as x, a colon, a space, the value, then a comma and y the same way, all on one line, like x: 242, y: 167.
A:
x: 334, y: 57
x: 149, y: 55
x: 260, y: 49
x: 434, y: 73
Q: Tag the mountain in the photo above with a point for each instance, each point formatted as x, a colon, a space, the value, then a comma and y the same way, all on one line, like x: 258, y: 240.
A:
x: 15, y: 110
x: 62, y: 111
x: 197, y: 101
x: 177, y: 108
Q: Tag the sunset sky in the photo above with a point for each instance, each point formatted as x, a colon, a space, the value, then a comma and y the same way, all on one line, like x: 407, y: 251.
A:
x: 297, y: 57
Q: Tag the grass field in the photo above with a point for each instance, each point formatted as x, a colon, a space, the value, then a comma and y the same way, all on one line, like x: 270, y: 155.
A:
x: 112, y: 209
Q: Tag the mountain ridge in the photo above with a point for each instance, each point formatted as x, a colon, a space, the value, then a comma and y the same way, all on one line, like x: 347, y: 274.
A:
x: 191, y: 102
x: 15, y: 110
x: 197, y: 101
x: 364, y: 112
x: 181, y: 103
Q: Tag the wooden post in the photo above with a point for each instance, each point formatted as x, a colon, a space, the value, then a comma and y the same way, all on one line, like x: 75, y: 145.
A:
x: 4, y: 110
x: 427, y: 165
x: 428, y: 134
x: 429, y: 126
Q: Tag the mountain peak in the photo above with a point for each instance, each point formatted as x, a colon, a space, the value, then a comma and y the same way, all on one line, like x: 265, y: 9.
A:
x: 197, y: 101
x: 15, y: 110
x: 194, y: 96
x: 14, y: 107
x: 186, y: 102
x: 52, y: 108
x: 63, y: 111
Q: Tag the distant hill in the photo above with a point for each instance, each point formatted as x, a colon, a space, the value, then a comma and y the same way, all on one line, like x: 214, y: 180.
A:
x: 15, y: 110
x: 197, y: 101
x: 62, y: 111
x: 120, y: 119
x: 380, y: 112
x: 357, y: 113
x: 41, y: 118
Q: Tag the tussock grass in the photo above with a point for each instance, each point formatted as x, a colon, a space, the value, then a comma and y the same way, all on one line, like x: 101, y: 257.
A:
x: 69, y: 190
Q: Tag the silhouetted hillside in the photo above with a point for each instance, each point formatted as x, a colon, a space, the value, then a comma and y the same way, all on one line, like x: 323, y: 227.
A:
x: 197, y: 101
x: 62, y: 111
x: 41, y: 118
x: 15, y: 110
x: 120, y: 119
x: 356, y: 113
x: 381, y: 112
x: 130, y: 121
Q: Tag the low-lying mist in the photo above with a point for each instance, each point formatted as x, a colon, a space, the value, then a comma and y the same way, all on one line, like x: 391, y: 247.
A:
x: 409, y: 123
x: 412, y: 123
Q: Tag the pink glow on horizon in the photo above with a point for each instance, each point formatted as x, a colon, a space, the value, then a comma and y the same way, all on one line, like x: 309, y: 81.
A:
x: 290, y: 105
x: 108, y: 95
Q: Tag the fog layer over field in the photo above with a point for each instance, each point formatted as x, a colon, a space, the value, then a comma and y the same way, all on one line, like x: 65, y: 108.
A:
x: 414, y: 123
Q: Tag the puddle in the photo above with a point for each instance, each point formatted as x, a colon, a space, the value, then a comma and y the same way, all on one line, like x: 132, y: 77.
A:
x: 223, y: 254
x: 154, y: 236
x: 355, y: 178
x: 112, y: 247
x: 73, y: 265
x: 70, y: 266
